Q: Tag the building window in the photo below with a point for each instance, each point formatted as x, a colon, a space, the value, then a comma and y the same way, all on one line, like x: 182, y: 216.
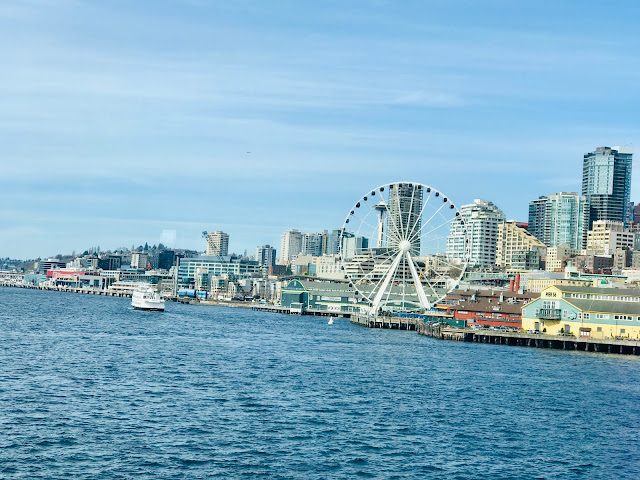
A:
x: 599, y: 329
x: 622, y: 330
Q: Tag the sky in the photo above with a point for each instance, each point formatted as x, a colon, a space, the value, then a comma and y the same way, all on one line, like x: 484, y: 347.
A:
x: 130, y: 122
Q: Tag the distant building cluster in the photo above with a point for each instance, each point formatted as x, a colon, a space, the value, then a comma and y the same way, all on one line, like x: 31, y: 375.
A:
x: 576, y: 249
x: 596, y: 230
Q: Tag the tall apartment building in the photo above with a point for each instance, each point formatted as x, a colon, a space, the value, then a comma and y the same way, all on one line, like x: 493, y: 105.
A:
x: 352, y: 245
x: 405, y: 205
x: 313, y: 244
x: 605, y: 237
x: 266, y: 255
x: 538, y: 218
x: 606, y: 182
x: 481, y: 219
x: 517, y: 248
x: 290, y: 245
x: 560, y: 218
x: 217, y: 244
x: 567, y: 219
x: 332, y: 242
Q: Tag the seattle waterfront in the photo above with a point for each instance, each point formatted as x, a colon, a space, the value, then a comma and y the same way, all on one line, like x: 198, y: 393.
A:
x: 92, y: 388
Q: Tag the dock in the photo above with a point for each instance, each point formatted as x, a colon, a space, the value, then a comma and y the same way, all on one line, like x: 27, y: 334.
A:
x: 299, y: 311
x: 395, y: 323
x: 86, y: 291
x: 533, y: 340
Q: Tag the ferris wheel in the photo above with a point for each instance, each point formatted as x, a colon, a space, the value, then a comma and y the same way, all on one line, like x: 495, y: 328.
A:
x: 403, y: 247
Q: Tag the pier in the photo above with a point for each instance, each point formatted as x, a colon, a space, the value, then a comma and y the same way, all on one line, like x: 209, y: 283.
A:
x: 395, y: 323
x: 299, y: 311
x: 86, y: 291
x: 534, y: 340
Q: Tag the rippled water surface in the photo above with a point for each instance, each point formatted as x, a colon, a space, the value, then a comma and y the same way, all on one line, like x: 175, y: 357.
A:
x: 90, y: 388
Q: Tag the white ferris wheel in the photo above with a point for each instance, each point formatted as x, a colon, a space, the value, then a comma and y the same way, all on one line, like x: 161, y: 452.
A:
x: 393, y: 247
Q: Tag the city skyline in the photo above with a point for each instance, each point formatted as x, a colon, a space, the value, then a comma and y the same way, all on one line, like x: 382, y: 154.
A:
x: 285, y: 114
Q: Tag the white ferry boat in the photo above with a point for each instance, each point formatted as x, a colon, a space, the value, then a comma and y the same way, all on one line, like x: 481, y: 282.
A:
x: 145, y: 298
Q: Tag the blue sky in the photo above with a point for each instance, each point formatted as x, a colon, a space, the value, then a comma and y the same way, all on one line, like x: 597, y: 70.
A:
x: 124, y: 122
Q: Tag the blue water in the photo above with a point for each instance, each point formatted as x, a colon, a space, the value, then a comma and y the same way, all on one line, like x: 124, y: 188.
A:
x: 90, y: 388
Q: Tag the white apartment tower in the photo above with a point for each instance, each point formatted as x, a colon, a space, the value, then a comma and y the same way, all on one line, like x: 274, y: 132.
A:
x: 290, y: 245
x: 481, y: 219
x: 217, y: 244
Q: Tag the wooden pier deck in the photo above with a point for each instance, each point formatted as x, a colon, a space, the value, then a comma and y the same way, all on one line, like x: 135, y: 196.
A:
x: 86, y: 291
x: 395, y: 323
x: 536, y: 340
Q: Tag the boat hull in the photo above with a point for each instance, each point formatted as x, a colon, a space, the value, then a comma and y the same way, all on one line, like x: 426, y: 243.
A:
x: 150, y: 309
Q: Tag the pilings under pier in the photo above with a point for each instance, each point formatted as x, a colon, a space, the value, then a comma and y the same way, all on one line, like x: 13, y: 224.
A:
x: 598, y: 345
x: 395, y: 323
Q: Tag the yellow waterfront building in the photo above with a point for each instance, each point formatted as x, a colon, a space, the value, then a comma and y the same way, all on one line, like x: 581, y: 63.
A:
x: 585, y: 312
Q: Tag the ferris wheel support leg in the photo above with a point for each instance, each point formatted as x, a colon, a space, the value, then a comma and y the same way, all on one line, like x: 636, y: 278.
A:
x: 416, y: 279
x: 385, y: 284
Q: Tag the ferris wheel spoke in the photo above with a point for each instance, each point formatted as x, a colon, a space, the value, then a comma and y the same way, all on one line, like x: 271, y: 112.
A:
x: 380, y: 231
x: 444, y: 277
x: 416, y: 279
x: 374, y: 230
x: 432, y: 239
x: 397, y: 190
x: 452, y: 265
x: 413, y: 193
x: 380, y: 280
x: 436, y: 228
x: 395, y: 273
x: 373, y: 271
x: 396, y: 232
x: 427, y: 222
x: 421, y: 212
x: 436, y: 295
x: 387, y: 279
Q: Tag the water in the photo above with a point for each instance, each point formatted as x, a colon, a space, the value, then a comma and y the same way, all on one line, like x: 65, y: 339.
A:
x: 92, y: 389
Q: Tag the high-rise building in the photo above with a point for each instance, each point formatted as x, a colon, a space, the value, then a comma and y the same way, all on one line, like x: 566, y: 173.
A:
x: 217, y: 244
x: 266, y: 255
x: 481, y: 219
x: 636, y: 213
x: 560, y: 218
x: 313, y: 244
x: 290, y: 245
x: 405, y: 205
x: 538, y: 218
x: 352, y: 245
x: 606, y: 182
x: 332, y: 242
x: 518, y: 249
x: 567, y: 220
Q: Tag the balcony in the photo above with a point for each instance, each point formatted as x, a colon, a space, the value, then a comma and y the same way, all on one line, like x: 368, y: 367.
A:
x: 549, y: 314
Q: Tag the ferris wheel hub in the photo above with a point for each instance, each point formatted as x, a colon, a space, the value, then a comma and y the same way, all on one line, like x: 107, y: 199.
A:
x: 404, y: 246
